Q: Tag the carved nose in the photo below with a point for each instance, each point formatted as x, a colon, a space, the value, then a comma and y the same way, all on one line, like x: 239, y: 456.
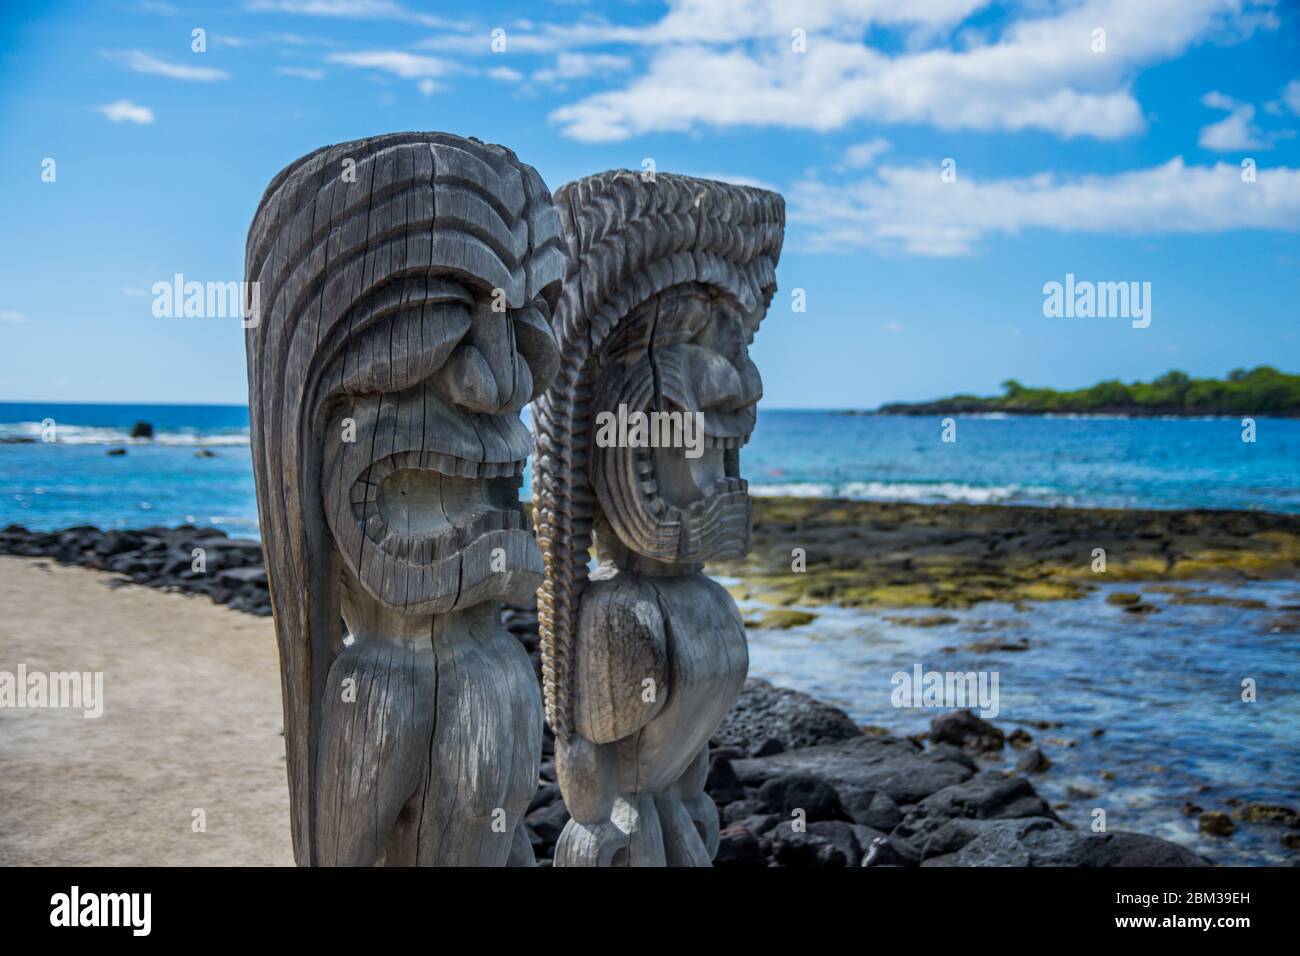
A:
x: 751, y: 383
x: 720, y: 383
x: 486, y: 372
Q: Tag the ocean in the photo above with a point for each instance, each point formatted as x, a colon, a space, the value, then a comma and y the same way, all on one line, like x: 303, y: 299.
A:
x: 1081, y: 462
x: 1150, y: 716
x: 1141, y: 715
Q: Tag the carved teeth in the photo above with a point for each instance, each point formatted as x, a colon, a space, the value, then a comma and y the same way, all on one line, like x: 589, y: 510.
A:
x: 730, y: 485
x: 441, y: 547
x: 434, y: 461
x: 726, y: 441
x: 473, y: 516
x: 423, y: 550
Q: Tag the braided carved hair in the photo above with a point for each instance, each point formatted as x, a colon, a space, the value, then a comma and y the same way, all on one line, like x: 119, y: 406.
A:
x: 628, y: 239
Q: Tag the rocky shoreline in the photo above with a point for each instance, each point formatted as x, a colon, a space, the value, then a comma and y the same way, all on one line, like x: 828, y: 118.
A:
x: 796, y: 782
x: 908, y: 556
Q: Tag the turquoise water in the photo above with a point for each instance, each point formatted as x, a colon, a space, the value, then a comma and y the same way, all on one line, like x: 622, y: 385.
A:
x: 1085, y: 462
x: 1200, y: 463
x: 1163, y: 687
x: 73, y: 480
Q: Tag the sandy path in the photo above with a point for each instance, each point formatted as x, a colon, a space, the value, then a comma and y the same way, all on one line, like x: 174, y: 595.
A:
x: 191, y: 720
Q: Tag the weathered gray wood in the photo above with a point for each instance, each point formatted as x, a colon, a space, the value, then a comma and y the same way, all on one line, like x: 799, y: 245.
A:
x: 666, y: 282
x: 384, y: 391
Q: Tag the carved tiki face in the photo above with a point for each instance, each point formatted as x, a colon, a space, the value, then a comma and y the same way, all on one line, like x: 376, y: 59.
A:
x: 405, y: 283
x: 683, y: 351
x: 423, y: 449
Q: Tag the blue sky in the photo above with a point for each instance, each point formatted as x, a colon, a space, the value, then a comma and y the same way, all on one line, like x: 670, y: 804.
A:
x: 1115, y: 164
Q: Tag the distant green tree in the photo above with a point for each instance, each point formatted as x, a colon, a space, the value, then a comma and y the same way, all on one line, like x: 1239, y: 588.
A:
x: 1261, y: 390
x: 1108, y: 394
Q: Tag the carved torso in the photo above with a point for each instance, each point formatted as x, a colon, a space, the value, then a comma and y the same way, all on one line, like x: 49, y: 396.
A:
x: 699, y: 666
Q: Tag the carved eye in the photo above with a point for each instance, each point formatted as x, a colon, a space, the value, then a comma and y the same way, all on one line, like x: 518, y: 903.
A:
x: 440, y: 291
x: 402, y: 333
x: 537, y: 344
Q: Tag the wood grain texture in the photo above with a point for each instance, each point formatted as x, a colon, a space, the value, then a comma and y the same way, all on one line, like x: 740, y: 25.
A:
x: 405, y: 285
x: 665, y: 284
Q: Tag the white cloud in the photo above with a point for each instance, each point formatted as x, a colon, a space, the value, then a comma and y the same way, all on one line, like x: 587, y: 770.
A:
x: 1218, y: 101
x: 911, y: 209
x: 142, y: 62
x: 12, y: 317
x: 302, y: 72
x: 694, y: 20
x: 861, y: 155
x: 349, y: 9
x: 409, y: 66
x: 1235, y: 131
x: 505, y: 74
x: 730, y: 21
x: 1038, y: 73
x: 843, y: 83
x: 428, y: 87
x: 297, y: 39
x: 1291, y: 96
x: 124, y: 111
x: 476, y: 42
x: 575, y: 66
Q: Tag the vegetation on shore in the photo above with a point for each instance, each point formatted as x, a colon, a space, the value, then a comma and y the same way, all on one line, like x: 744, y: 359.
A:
x: 892, y: 555
x: 1261, y: 391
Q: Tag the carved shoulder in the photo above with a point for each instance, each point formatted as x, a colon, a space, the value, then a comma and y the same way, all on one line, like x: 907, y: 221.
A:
x: 622, y: 658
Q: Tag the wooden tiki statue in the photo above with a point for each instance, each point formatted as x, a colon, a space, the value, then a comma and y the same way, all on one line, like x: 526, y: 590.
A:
x: 666, y: 282
x: 405, y: 285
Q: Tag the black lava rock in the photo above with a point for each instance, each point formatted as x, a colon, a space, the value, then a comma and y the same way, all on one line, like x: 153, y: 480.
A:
x: 815, y: 797
x: 964, y: 729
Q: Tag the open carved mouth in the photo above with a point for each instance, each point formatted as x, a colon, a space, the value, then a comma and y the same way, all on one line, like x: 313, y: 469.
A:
x: 428, y: 518
x: 422, y: 507
x: 683, y: 500
x: 684, y: 483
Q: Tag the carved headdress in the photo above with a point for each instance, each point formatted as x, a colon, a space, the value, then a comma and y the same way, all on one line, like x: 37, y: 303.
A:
x: 368, y: 258
x: 631, y: 243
